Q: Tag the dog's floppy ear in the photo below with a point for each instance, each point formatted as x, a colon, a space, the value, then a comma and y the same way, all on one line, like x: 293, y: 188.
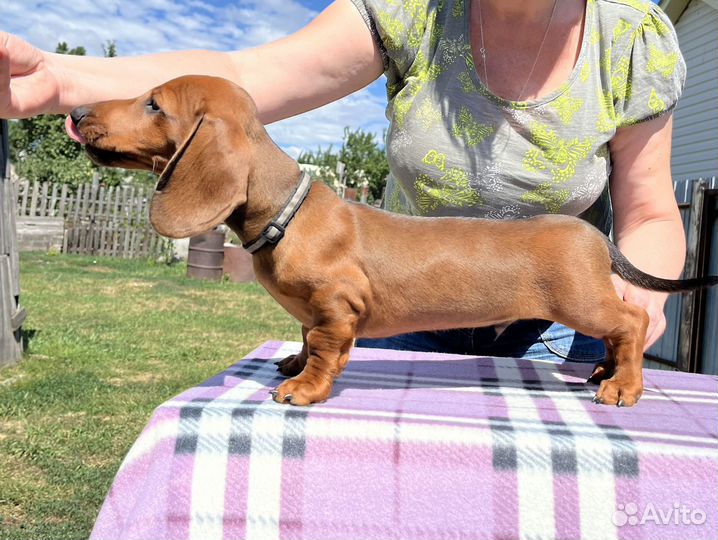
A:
x: 203, y: 183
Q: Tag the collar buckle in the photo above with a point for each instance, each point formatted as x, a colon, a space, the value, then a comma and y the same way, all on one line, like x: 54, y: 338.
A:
x: 274, y: 232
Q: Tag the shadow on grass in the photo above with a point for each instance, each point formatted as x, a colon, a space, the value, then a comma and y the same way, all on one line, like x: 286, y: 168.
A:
x: 27, y: 335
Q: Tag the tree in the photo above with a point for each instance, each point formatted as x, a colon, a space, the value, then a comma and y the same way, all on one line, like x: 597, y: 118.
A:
x: 43, y: 152
x: 109, y: 49
x: 361, y: 153
x: 63, y: 48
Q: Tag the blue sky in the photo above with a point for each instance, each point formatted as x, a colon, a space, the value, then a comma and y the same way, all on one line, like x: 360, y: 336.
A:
x: 147, y: 26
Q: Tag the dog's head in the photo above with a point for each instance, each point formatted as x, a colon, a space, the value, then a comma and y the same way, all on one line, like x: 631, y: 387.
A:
x: 196, y: 132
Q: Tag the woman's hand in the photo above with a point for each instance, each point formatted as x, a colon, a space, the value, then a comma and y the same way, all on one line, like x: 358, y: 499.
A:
x: 652, y: 302
x: 28, y: 85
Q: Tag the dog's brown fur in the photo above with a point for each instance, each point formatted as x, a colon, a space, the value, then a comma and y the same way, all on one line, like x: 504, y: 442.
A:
x: 347, y: 270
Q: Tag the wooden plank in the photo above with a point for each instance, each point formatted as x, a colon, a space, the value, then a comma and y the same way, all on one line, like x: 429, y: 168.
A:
x: 118, y: 201
x: 115, y: 238
x: 42, y: 206
x: 33, y: 199
x: 81, y: 238
x: 52, y: 212
x: 36, y: 233
x: 25, y: 192
x: 94, y: 188
x: 90, y: 246
x: 149, y: 239
x: 687, y: 330
x: 66, y: 238
x: 153, y: 244
x: 136, y: 244
x: 10, y: 345
x: 102, y: 238
x: 4, y: 218
x: 107, y: 209
x: 117, y: 241
x: 128, y: 222
x: 98, y: 236
x: 76, y: 202
x: 84, y: 212
x: 63, y: 201
x: 99, y: 209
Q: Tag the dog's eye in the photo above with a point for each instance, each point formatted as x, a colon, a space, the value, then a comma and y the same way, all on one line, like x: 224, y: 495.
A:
x: 152, y: 105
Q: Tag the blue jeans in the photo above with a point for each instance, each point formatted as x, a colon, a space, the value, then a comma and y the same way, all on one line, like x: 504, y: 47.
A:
x: 531, y: 340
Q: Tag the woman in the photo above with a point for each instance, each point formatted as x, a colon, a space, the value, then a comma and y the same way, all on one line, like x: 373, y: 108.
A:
x: 498, y: 108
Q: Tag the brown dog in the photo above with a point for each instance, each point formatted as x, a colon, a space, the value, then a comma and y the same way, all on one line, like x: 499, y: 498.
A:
x: 347, y: 270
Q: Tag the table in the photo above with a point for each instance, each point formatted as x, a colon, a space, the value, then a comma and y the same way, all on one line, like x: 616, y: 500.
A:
x: 422, y: 446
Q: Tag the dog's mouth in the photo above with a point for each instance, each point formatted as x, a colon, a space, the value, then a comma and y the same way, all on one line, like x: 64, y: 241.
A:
x: 113, y: 158
x: 73, y: 132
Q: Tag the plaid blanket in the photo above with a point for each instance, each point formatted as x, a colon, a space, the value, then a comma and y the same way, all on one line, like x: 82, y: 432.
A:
x: 422, y: 446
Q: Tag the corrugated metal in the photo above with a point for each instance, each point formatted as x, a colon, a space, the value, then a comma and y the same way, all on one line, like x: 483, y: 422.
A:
x: 696, y: 115
x: 697, y: 144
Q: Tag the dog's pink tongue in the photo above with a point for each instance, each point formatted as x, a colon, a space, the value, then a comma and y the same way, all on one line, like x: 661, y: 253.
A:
x: 73, y: 132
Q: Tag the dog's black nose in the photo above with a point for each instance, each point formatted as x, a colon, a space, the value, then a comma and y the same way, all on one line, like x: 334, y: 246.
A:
x: 78, y: 114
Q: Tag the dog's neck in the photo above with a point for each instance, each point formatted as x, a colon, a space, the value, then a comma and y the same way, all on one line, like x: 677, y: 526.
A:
x: 272, y: 180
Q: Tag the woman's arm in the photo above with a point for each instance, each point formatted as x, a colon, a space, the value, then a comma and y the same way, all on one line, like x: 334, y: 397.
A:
x: 330, y: 58
x: 647, y: 224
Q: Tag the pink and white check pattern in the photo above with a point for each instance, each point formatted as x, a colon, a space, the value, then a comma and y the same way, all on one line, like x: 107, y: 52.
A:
x: 419, y: 446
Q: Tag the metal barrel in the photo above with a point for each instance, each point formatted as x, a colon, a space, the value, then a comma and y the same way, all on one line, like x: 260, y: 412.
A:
x: 206, y: 255
x: 238, y: 264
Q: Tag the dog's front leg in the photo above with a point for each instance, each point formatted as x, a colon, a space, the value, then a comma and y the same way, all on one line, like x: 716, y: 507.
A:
x: 293, y: 365
x: 328, y: 349
x: 327, y: 343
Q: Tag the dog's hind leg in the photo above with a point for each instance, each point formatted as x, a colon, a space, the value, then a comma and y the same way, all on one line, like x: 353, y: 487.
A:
x: 625, y: 386
x: 623, y: 326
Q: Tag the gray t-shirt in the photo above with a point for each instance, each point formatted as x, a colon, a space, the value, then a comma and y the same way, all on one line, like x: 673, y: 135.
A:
x: 454, y: 148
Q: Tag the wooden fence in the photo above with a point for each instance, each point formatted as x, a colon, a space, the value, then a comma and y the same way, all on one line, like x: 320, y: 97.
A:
x: 97, y: 220
x: 12, y: 313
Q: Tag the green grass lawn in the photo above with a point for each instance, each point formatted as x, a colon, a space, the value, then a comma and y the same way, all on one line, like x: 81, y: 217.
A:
x: 109, y: 340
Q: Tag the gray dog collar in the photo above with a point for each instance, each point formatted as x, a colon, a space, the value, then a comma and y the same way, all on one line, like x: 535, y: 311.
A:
x: 274, y: 232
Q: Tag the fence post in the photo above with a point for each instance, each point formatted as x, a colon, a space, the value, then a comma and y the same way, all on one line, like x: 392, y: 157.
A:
x: 11, y: 314
x: 687, y: 338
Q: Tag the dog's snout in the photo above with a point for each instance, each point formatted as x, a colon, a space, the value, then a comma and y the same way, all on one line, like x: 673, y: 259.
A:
x: 78, y: 114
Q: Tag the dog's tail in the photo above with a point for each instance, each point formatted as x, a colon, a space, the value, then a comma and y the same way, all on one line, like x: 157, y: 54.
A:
x: 630, y: 273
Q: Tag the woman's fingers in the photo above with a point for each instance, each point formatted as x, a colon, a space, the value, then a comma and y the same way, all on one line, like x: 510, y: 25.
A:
x: 26, y: 85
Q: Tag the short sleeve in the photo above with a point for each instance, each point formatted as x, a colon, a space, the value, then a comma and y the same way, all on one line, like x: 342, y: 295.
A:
x: 397, y: 27
x: 649, y: 72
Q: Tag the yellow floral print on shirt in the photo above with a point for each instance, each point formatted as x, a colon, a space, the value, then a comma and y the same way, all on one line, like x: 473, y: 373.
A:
x: 630, y: 70
x: 559, y: 157
x: 567, y: 107
x: 468, y: 129
x: 451, y: 189
x: 663, y: 63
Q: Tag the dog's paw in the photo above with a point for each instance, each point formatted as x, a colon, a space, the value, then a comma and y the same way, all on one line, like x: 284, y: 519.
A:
x: 616, y: 392
x: 302, y: 392
x: 292, y: 365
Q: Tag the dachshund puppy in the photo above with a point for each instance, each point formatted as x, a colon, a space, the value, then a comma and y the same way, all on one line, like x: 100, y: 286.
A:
x: 347, y: 270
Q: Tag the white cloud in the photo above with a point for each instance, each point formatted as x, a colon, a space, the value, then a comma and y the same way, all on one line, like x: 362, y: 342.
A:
x: 146, y: 26
x: 326, y: 125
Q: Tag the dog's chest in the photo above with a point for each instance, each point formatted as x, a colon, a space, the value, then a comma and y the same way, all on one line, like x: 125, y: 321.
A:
x: 295, y: 306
